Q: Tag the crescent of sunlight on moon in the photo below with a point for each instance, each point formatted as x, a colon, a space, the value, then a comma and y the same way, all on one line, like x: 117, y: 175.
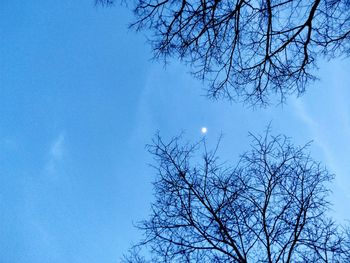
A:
x: 204, y: 130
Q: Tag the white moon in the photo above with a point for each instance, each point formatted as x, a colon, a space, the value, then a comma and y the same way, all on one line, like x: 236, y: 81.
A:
x: 204, y: 130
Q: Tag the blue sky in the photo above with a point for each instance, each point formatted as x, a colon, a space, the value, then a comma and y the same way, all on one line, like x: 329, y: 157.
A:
x: 80, y: 98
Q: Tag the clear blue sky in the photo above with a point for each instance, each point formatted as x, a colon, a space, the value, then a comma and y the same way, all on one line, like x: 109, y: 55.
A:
x: 80, y: 98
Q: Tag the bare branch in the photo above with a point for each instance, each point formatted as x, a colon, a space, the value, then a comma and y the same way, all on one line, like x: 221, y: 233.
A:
x: 246, y: 49
x: 270, y: 207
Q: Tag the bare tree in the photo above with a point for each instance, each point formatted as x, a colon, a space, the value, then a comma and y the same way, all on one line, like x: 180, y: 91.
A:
x: 270, y: 207
x: 247, y: 49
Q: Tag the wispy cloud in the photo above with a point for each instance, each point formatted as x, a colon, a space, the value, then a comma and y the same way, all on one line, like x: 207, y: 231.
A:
x: 316, y: 131
x: 304, y: 116
x: 56, y: 153
x: 333, y: 158
x: 56, y: 150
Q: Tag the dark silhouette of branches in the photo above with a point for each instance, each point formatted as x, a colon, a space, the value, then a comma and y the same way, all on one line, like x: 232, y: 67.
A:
x: 104, y: 2
x: 270, y: 207
x: 247, y: 49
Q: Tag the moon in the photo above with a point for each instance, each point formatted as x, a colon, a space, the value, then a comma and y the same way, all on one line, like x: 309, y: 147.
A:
x: 204, y: 130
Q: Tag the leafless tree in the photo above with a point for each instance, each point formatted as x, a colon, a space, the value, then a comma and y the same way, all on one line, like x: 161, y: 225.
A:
x: 247, y: 49
x: 270, y: 207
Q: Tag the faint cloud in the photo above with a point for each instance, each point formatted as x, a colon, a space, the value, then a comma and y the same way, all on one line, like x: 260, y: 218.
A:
x: 304, y: 116
x: 56, y: 153
x: 56, y: 150
x: 333, y: 159
x: 317, y: 133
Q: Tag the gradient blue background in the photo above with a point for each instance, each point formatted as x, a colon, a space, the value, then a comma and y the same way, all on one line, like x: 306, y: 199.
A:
x: 80, y: 98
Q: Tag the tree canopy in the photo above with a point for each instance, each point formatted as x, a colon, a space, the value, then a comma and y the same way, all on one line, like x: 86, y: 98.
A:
x: 269, y: 207
x: 246, y: 49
